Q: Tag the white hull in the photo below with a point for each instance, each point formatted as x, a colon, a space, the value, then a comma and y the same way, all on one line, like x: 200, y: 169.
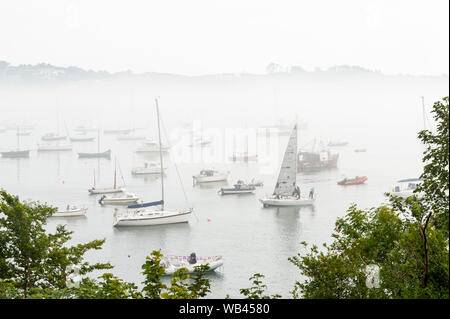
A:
x: 286, y: 202
x: 119, y: 201
x: 150, y: 218
x: 172, y: 267
x: 207, y: 179
x: 71, y: 213
x: 106, y: 190
x: 407, y: 193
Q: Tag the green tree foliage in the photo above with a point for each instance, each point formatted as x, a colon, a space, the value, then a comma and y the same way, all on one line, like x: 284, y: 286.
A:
x: 258, y: 290
x: 34, y: 264
x: 407, y: 239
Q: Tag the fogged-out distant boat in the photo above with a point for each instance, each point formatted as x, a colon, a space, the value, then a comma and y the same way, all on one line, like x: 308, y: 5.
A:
x: 130, y: 137
x: 24, y: 133
x: 98, y: 154
x: 105, y: 154
x: 150, y: 146
x: 54, y: 147
x: 337, y: 143
x: 360, y: 150
x: 84, y: 129
x: 15, y: 154
x: 53, y: 137
x: 148, y: 168
x: 81, y: 138
x: 118, y: 131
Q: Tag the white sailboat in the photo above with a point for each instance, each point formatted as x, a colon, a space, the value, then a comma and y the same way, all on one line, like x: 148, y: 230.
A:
x: 286, y: 192
x: 114, y: 189
x: 145, y: 214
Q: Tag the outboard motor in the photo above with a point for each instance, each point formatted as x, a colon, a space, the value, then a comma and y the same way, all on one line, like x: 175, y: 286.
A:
x: 101, y: 199
x: 192, y: 259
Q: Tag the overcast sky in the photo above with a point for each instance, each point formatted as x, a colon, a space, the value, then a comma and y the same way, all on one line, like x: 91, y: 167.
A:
x: 231, y: 36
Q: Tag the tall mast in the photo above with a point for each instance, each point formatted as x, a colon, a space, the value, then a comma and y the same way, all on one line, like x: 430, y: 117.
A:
x: 160, y: 155
x: 18, y: 138
x: 98, y: 140
x: 423, y: 112
x: 115, y: 162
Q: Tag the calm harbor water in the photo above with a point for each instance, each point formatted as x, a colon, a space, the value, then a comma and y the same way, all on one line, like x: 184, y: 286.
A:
x: 251, y: 239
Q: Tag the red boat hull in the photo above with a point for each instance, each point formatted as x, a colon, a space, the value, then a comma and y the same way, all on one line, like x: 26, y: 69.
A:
x: 354, y: 181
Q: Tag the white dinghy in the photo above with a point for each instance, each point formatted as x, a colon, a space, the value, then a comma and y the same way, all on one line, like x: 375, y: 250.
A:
x: 70, y: 211
x: 152, y: 213
x: 172, y: 263
x: 286, y: 192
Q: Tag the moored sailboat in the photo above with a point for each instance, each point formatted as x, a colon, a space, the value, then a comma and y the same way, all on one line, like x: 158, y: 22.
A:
x: 145, y: 214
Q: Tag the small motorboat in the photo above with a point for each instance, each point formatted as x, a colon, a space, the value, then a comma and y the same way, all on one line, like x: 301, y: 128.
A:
x: 149, y: 168
x: 239, y: 188
x: 70, y: 211
x: 360, y: 150
x: 172, y: 263
x: 406, y: 187
x: 353, y: 181
x: 129, y: 198
x: 210, y: 175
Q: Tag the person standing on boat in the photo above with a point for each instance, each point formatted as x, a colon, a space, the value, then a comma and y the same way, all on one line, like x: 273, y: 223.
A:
x: 297, y: 192
x: 311, y: 193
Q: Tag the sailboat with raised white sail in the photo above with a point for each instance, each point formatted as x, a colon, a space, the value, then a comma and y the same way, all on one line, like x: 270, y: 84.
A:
x: 152, y: 213
x: 287, y: 192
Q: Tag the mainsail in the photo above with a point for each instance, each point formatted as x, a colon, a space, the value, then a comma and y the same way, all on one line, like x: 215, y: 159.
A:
x: 287, y: 178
